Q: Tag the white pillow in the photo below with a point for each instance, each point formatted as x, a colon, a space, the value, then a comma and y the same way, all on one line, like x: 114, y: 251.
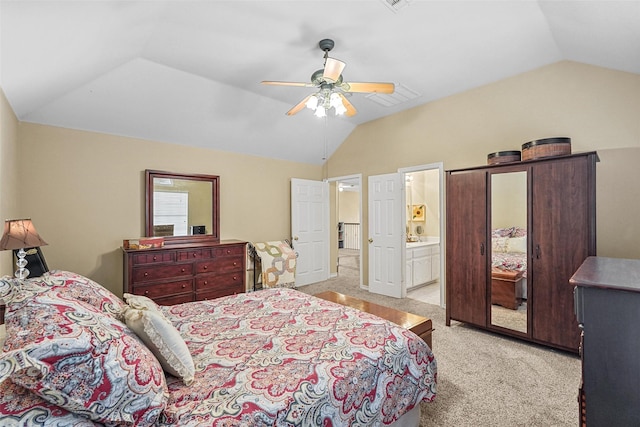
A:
x: 164, y: 341
x: 517, y: 244
x: 499, y: 244
x: 140, y: 302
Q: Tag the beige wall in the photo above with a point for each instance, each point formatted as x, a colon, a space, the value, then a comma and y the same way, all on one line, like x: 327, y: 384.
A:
x: 509, y: 200
x: 598, y: 108
x: 85, y: 192
x: 9, y: 208
x: 349, y: 206
x: 424, y: 189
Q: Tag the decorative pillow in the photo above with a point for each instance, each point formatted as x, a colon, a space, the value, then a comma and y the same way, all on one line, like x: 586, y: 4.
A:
x: 67, y: 285
x: 20, y: 407
x: 499, y: 244
x: 517, y: 244
x: 84, y: 361
x: 164, y: 341
x: 84, y: 289
x: 519, y: 232
x: 140, y: 302
x: 502, y: 232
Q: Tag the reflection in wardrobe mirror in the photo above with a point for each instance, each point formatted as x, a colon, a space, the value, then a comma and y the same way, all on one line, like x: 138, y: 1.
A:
x: 509, y: 250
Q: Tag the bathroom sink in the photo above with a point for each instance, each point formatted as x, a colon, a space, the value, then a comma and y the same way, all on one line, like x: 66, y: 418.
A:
x: 417, y: 244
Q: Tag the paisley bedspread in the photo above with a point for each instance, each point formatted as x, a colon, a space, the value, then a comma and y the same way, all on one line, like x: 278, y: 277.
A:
x: 281, y: 357
x: 276, y: 357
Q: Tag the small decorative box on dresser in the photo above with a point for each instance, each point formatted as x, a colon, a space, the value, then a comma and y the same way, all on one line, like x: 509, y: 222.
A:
x: 607, y: 305
x: 186, y: 272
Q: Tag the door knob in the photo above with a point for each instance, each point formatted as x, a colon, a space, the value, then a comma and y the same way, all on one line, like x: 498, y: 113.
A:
x: 295, y: 237
x: 370, y: 240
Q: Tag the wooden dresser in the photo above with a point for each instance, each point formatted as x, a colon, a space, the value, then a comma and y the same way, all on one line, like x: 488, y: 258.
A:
x: 186, y: 272
x: 607, y: 305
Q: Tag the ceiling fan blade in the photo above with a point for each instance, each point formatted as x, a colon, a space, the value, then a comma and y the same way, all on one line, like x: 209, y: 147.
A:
x: 368, y: 87
x: 332, y: 69
x: 351, y: 110
x: 299, y: 106
x: 300, y: 84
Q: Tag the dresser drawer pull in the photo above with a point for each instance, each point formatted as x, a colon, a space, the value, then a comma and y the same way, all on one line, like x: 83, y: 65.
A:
x: 228, y: 251
x: 146, y: 274
x: 184, y: 286
x: 182, y: 270
x: 235, y: 277
x: 235, y: 263
x: 194, y: 254
x: 205, y: 267
x: 205, y: 283
x: 146, y: 292
x: 155, y: 258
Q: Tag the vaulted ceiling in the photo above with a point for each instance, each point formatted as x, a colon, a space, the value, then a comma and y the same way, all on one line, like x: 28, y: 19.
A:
x: 189, y: 72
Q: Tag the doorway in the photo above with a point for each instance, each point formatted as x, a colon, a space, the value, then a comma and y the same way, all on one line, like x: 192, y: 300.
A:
x: 424, y: 230
x: 347, y: 244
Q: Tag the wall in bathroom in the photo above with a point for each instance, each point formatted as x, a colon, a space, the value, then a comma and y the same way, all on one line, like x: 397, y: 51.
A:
x: 423, y: 189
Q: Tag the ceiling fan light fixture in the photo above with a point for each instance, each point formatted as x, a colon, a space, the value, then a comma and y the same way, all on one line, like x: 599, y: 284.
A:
x: 332, y: 70
x: 336, y: 102
x: 312, y: 102
x: 332, y: 87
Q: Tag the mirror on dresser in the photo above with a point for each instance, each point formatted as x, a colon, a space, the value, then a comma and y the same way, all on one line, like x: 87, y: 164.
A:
x: 182, y: 208
x: 509, y: 250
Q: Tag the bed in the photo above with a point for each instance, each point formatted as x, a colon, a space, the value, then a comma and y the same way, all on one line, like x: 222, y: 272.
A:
x: 76, y: 355
x: 509, y: 266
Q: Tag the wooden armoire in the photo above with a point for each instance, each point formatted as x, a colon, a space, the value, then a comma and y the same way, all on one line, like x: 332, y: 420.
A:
x: 554, y: 199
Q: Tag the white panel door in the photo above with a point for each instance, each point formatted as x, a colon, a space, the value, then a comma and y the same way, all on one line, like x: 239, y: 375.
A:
x: 310, y: 229
x: 385, y: 235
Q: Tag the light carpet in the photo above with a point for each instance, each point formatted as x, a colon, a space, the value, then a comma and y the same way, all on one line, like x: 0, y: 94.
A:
x: 485, y: 379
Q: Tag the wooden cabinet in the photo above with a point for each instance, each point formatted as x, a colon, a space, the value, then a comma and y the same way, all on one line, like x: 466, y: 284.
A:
x: 607, y: 302
x: 186, y: 272
x: 559, y: 205
x: 466, y: 249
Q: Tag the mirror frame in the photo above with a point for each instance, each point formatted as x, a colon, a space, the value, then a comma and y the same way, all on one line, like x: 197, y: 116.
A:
x: 214, y: 236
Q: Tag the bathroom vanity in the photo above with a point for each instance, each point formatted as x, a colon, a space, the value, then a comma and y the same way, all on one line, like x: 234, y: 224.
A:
x: 422, y: 262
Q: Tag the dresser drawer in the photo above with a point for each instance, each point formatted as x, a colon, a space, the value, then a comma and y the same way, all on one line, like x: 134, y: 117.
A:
x: 228, y: 250
x: 194, y: 254
x: 153, y: 257
x: 228, y: 280
x: 220, y: 265
x: 218, y: 292
x: 174, y: 299
x: 157, y: 272
x: 161, y: 290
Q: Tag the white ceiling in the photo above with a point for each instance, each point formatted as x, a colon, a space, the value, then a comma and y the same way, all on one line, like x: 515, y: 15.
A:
x: 189, y: 72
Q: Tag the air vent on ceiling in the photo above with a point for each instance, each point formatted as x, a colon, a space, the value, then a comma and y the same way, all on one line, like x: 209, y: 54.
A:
x: 400, y: 94
x: 395, y: 5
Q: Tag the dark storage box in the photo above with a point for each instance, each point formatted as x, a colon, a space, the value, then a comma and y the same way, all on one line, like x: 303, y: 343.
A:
x: 547, y: 147
x: 503, y: 157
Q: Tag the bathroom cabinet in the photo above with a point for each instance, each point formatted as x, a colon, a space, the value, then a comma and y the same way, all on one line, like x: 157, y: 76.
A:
x: 422, y: 263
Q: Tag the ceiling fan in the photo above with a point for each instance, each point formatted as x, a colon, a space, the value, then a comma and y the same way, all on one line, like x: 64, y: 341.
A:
x: 332, y: 87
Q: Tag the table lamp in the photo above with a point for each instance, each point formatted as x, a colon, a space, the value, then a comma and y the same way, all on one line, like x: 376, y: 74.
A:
x: 18, y: 235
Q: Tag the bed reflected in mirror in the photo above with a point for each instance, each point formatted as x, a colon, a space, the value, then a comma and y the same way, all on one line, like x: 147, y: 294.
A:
x: 509, y: 250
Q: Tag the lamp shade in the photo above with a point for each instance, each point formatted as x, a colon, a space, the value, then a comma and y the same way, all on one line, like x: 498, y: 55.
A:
x: 19, y: 234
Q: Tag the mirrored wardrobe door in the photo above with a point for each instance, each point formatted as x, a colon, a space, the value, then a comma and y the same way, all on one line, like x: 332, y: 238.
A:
x: 508, y: 285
